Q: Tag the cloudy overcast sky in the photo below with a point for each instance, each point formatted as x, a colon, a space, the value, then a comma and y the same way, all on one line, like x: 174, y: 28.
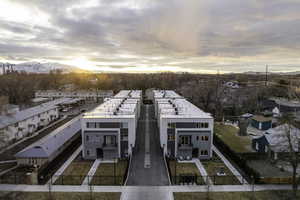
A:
x: 153, y: 35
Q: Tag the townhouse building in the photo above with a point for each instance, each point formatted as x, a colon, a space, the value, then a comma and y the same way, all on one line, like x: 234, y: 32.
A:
x: 109, y: 131
x: 185, y: 130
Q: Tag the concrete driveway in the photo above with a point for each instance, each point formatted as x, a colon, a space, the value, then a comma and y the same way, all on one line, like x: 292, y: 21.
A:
x: 156, y: 174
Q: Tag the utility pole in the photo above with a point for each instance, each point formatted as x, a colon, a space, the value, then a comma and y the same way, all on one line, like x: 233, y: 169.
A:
x: 266, y: 80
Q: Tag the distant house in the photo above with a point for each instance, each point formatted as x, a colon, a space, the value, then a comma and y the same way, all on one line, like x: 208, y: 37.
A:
x: 16, y: 124
x: 261, y: 122
x: 49, y: 147
x: 275, y: 140
x: 232, y: 84
x: 285, y: 105
x: 83, y: 94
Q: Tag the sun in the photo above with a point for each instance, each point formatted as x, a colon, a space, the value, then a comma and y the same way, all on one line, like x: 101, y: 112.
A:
x: 83, y: 63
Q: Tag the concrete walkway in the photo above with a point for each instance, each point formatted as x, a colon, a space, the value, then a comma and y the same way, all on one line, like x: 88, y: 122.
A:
x: 157, y: 173
x: 65, y: 165
x: 91, y: 173
x: 128, y: 190
x: 147, y: 160
x: 234, y: 171
x: 146, y: 193
x: 203, y: 172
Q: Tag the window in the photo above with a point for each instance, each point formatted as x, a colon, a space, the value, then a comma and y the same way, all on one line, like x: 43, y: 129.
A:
x: 109, y: 140
x: 197, y: 138
x: 88, y: 152
x: 16, y: 124
x: 124, y: 125
x: 87, y: 138
x: 204, y: 138
x: 185, y: 140
x: 91, y: 125
x: 204, y: 152
x: 171, y: 137
x: 171, y: 125
x: 202, y: 125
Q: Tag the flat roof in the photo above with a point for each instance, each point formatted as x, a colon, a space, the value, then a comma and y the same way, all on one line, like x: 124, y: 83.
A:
x: 166, y: 94
x: 180, y: 108
x: 114, y: 108
x: 129, y: 94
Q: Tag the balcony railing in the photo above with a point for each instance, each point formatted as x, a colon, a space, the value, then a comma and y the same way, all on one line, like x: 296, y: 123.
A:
x: 185, y: 146
x: 110, y: 146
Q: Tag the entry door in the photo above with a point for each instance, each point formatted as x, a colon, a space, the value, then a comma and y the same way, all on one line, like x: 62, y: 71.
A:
x: 99, y: 153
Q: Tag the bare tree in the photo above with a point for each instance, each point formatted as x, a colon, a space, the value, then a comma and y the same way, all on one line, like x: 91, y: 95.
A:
x: 288, y: 121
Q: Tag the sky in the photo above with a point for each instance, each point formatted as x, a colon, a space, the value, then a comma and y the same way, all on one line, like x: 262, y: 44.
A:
x: 153, y: 35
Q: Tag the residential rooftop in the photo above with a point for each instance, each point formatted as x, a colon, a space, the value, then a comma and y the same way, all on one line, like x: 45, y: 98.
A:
x: 165, y: 94
x: 46, y: 146
x: 6, y: 120
x: 114, y: 108
x: 128, y: 94
x: 179, y: 108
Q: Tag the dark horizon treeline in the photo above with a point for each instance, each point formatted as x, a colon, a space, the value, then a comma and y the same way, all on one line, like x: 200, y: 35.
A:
x: 204, y: 90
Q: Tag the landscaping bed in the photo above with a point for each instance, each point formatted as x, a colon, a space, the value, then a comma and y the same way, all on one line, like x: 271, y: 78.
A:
x: 110, y: 173
x: 182, y: 173
x: 60, y: 195
x: 261, y: 195
x: 75, y: 173
x: 214, y: 166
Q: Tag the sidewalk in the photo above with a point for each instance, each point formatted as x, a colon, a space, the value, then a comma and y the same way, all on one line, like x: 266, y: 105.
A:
x: 129, y: 190
x: 91, y: 173
x: 230, y: 166
x: 65, y: 165
x: 203, y: 171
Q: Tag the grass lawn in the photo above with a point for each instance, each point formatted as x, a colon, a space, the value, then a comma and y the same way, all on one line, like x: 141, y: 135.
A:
x: 75, y: 173
x: 104, y: 175
x: 229, y: 135
x: 59, y: 196
x: 213, y: 166
x: 262, y: 195
x: 184, y: 169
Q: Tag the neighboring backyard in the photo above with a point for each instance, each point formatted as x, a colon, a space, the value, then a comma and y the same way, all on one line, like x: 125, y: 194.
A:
x: 215, y: 166
x: 263, y: 195
x: 60, y: 195
x: 229, y: 135
x: 110, y: 173
x: 185, y: 172
x: 75, y: 173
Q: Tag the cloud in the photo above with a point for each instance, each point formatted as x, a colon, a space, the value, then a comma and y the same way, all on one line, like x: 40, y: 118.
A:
x: 238, y: 35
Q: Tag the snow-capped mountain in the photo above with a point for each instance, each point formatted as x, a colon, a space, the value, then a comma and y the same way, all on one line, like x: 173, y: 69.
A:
x: 36, y: 67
